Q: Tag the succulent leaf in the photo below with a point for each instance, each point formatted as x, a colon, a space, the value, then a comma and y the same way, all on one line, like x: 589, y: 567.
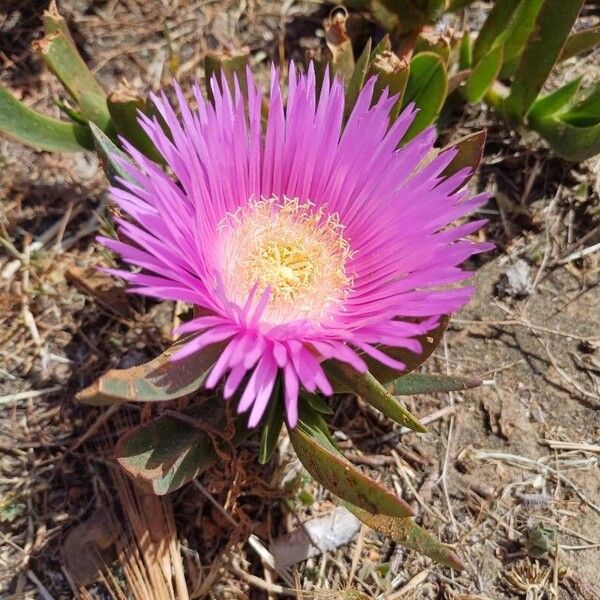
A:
x: 554, y: 102
x: 552, y: 27
x: 34, y: 129
x: 107, y: 152
x: 392, y: 74
x: 63, y: 59
x: 372, y: 391
x: 170, y: 451
x: 469, y: 154
x: 357, y: 80
x: 483, y: 75
x: 407, y: 533
x: 579, y: 42
x: 426, y: 383
x: 124, y: 107
x: 426, y: 87
x: 158, y: 380
x: 331, y: 469
x: 271, y: 427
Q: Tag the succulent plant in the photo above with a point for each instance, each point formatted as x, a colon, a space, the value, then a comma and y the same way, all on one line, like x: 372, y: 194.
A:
x: 166, y: 453
x: 506, y: 64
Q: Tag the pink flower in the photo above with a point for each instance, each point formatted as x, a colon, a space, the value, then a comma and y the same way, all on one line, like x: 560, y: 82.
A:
x: 313, y: 240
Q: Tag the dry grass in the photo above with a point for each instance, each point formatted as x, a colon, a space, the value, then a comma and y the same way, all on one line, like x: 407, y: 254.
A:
x: 499, y: 460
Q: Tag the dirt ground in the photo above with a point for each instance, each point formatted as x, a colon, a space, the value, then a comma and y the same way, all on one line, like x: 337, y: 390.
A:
x: 508, y: 474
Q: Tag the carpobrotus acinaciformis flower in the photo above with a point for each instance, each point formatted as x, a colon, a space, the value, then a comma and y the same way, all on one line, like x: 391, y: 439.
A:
x: 311, y: 240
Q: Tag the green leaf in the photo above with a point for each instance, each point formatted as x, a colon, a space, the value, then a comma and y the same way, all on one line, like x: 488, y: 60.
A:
x: 317, y: 403
x: 541, y: 52
x: 107, y: 152
x: 515, y: 36
x: 339, y: 44
x: 357, y: 80
x: 554, y: 102
x: 34, y: 129
x: 572, y: 140
x: 483, y: 75
x: 407, y: 533
x: 66, y: 63
x: 425, y: 383
x: 158, y: 380
x: 343, y: 377
x: 426, y: 87
x: 271, y: 427
x: 580, y: 42
x: 124, y: 107
x: 586, y: 112
x: 170, y: 451
x: 465, y: 52
x: 495, y: 25
x: 392, y: 74
x: 218, y: 64
x: 332, y: 470
x: 470, y: 152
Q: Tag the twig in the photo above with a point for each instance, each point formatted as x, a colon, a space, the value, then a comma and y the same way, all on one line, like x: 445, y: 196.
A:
x: 523, y: 461
x: 44, y: 593
x: 443, y: 476
x: 410, y: 585
x: 580, y: 254
x: 29, y: 394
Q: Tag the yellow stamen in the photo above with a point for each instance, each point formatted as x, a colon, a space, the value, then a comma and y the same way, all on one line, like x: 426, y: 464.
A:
x: 298, y: 252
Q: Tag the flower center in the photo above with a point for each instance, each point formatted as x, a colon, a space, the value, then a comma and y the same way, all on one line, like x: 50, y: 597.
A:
x: 299, y: 253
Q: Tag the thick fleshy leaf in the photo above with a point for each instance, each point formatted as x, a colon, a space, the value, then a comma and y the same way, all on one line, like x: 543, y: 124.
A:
x: 407, y: 533
x: 332, y: 470
x: 483, y: 75
x: 158, y: 380
x: 465, y: 52
x: 339, y: 44
x: 344, y: 377
x: 515, y: 36
x: 585, y: 112
x: 555, y: 102
x: 124, y: 107
x: 357, y: 80
x: 495, y: 25
x: 54, y: 22
x: 552, y: 26
x: 271, y: 427
x: 229, y: 65
x: 107, y: 152
x: 66, y: 63
x: 170, y: 451
x: 580, y: 41
x: 568, y: 141
x: 427, y: 86
x: 573, y: 132
x: 425, y: 383
x: 34, y: 129
x: 470, y: 152
x: 392, y: 74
